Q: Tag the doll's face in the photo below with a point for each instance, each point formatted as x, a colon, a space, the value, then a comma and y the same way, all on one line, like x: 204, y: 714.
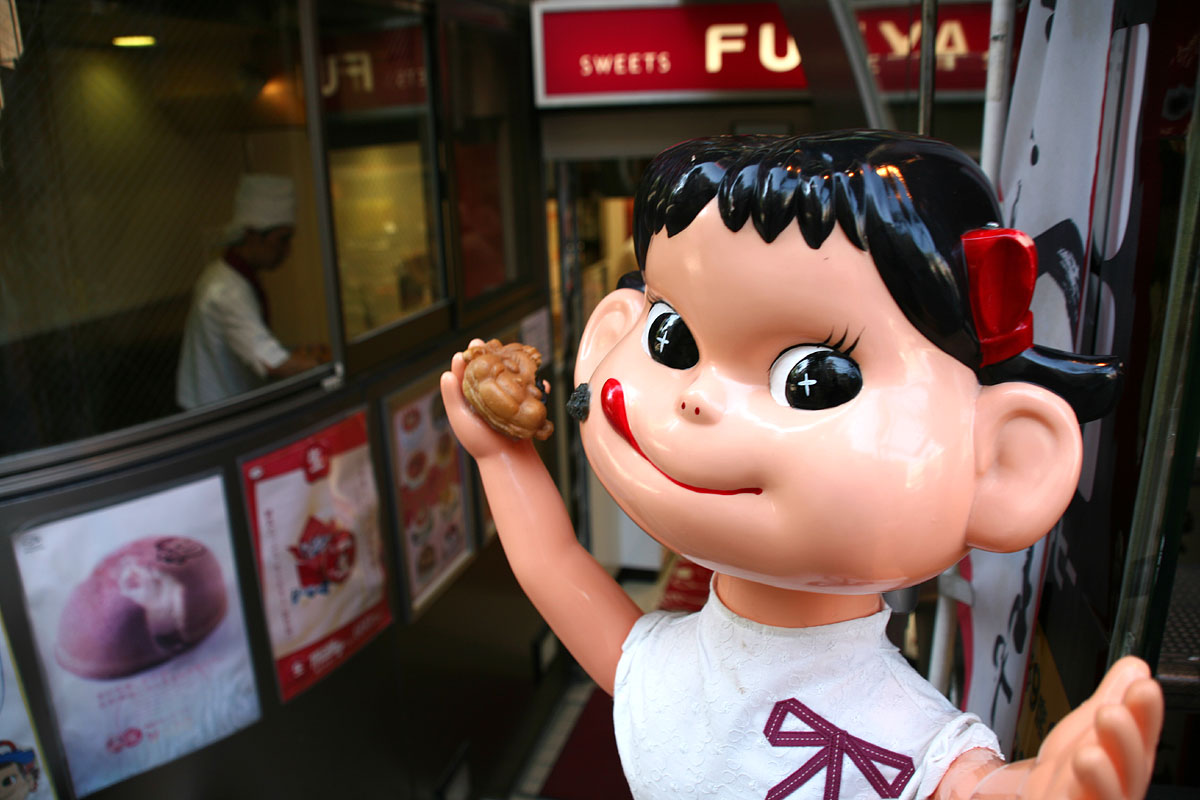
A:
x: 783, y: 421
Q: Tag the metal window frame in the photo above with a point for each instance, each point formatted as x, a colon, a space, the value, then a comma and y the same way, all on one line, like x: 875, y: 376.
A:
x: 531, y: 284
x: 1168, y: 457
x: 382, y: 345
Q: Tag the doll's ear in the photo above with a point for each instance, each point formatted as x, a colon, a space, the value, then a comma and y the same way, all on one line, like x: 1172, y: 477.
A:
x: 1028, y: 451
x: 611, y: 320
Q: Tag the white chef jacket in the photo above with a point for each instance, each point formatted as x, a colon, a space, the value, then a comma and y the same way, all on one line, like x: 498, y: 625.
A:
x: 227, y: 348
x: 712, y: 705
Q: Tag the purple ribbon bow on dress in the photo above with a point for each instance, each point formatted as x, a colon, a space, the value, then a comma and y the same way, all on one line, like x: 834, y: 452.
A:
x: 834, y: 743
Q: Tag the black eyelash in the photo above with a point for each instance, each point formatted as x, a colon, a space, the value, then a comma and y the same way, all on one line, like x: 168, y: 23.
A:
x: 828, y: 342
x: 854, y: 344
x: 841, y: 341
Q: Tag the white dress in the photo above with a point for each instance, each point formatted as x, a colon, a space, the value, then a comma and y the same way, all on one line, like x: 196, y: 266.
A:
x: 227, y: 348
x: 713, y: 705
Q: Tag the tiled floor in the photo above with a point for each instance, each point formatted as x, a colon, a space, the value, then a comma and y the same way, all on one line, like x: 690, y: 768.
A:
x: 646, y: 594
x: 552, y: 740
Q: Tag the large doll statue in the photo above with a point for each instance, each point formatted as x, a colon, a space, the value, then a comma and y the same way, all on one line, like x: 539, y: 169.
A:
x: 824, y: 389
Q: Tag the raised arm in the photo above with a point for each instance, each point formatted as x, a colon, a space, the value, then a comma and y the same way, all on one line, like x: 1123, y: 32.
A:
x: 580, y: 601
x: 1103, y: 750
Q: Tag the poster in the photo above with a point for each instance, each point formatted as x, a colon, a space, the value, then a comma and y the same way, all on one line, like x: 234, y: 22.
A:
x: 138, y: 623
x: 1049, y: 164
x: 23, y: 772
x: 314, y: 511
x: 430, y: 490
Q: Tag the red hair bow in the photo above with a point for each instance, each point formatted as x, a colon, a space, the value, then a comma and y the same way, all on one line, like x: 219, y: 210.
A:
x: 1001, y: 270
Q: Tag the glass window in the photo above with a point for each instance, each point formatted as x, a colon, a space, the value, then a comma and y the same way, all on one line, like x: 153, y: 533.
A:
x: 127, y: 223
x: 489, y: 112
x: 376, y: 107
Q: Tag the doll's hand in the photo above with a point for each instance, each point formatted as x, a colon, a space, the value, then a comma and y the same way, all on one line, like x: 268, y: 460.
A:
x: 1103, y: 750
x: 480, y: 440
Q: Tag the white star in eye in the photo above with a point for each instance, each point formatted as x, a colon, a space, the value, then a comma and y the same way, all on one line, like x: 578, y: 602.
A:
x: 662, y: 339
x: 806, y: 382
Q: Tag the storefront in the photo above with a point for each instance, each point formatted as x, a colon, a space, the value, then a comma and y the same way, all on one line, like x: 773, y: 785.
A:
x: 295, y: 589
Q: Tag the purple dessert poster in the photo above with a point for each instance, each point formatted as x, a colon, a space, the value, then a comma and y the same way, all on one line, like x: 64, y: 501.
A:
x: 23, y: 773
x: 139, y: 628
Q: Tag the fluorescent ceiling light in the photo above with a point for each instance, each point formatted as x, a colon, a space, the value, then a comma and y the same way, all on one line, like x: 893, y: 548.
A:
x: 134, y: 41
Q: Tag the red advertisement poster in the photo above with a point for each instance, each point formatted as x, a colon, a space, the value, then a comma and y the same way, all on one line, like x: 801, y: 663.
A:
x: 314, y: 511
x: 430, y: 488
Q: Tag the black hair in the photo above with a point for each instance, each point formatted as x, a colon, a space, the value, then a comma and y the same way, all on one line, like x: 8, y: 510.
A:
x: 904, y: 199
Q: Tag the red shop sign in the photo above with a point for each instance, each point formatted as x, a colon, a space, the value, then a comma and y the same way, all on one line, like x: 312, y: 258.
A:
x: 604, y: 54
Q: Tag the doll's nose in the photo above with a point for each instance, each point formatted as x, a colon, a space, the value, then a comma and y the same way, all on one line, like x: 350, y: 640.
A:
x: 703, y: 402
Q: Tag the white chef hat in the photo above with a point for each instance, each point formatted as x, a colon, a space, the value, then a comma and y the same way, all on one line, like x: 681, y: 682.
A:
x: 262, y: 201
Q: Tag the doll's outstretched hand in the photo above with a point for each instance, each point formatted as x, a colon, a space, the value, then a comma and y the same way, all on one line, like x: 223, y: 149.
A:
x: 1103, y: 750
x: 479, y: 438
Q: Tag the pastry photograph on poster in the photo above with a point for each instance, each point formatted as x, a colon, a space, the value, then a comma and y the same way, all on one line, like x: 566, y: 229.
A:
x: 427, y: 465
x: 314, y: 511
x: 138, y: 622
x: 23, y: 775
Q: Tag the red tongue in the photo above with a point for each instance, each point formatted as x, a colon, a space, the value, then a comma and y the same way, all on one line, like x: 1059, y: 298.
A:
x: 612, y: 400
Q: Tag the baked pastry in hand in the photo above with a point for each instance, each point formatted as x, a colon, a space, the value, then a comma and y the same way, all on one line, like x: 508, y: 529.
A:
x: 500, y: 383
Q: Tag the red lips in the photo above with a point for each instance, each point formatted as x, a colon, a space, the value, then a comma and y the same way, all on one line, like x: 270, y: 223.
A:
x: 612, y: 400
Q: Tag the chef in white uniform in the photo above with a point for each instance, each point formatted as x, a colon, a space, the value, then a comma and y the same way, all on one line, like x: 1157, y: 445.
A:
x: 227, y: 347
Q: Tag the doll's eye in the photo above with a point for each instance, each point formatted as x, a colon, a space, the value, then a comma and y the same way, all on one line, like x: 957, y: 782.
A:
x: 667, y: 339
x: 812, y: 377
